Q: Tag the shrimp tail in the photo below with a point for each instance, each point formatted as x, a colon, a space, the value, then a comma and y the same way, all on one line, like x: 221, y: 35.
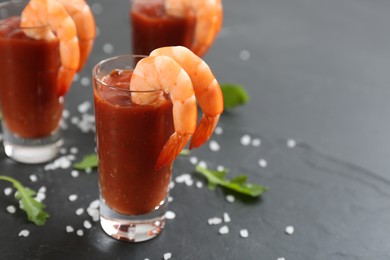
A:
x: 171, y: 149
x: 64, y: 80
x: 204, y: 130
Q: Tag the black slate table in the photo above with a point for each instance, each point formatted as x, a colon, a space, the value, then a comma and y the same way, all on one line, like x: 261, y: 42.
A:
x: 317, y: 73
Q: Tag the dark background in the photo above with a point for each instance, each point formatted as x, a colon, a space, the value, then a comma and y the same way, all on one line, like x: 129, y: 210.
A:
x: 317, y: 72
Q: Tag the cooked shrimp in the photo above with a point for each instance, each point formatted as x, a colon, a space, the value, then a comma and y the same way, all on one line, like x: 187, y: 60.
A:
x: 209, y: 18
x: 207, y: 90
x: 85, y: 24
x: 52, y: 14
x: 154, y: 73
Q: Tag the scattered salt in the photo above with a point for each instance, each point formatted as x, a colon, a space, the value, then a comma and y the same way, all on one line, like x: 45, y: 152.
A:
x: 80, y: 232
x: 245, y: 140
x: 76, y: 77
x: 185, y: 178
x: 65, y: 114
x: 97, y: 8
x: 40, y: 196
x: 33, y: 178
x: 108, y: 48
x: 223, y: 230
x: 69, y: 229
x: 171, y: 185
x: 87, y: 224
x: 74, y: 173
x: 170, y: 199
x: 199, y: 184
x: 79, y: 211
x: 244, y: 233
x: 214, y: 146
x: 256, y: 142
x: 193, y: 160
x: 281, y: 258
x: 202, y: 164
x: 220, y: 168
x: 263, y: 163
x: 8, y: 191
x: 75, y: 120
x: 88, y: 170
x: 11, y: 209
x: 24, y: 233
x: 85, y: 81
x: 245, y: 55
x: 73, y: 197
x: 230, y: 198
x: 218, y: 130
x: 226, y: 217
x: 170, y: 214
x: 167, y: 256
x: 214, y: 221
x: 94, y: 214
x: 94, y: 204
x: 291, y: 143
x: 63, y: 150
x: 289, y: 230
x: 74, y: 150
x: 84, y: 107
x: 42, y: 189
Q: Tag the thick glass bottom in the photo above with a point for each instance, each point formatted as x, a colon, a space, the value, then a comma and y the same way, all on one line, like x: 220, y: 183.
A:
x: 132, y: 228
x: 34, y: 150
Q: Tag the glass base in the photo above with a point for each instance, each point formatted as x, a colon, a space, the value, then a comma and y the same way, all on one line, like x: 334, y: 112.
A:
x: 132, y: 228
x: 31, y: 151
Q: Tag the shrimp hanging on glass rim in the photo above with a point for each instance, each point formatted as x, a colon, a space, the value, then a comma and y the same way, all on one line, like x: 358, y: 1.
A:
x: 59, y: 24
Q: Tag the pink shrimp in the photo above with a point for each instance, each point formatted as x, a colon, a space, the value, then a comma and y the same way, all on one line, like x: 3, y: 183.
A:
x: 52, y: 14
x: 164, y: 73
x: 85, y: 24
x: 207, y: 90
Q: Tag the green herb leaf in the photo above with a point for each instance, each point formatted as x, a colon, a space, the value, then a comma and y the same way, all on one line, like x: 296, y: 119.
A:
x: 32, y: 207
x: 238, y: 184
x: 234, y: 95
x: 89, y: 161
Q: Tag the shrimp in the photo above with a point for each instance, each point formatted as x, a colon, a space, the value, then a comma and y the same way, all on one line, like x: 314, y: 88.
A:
x: 85, y: 24
x: 209, y: 17
x: 207, y: 90
x: 160, y: 72
x: 51, y: 14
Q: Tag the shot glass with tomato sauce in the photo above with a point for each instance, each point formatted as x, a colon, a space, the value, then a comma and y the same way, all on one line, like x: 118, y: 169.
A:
x: 153, y: 26
x: 31, y: 108
x: 130, y: 137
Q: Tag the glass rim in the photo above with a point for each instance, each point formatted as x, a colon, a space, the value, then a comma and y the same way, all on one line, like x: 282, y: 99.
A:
x: 19, y: 3
x: 125, y: 56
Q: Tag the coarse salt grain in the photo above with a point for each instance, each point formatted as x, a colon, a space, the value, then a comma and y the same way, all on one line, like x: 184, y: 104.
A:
x: 170, y: 199
x: 11, y: 209
x: 85, y: 81
x: 74, y: 173
x: 40, y: 196
x: 214, y: 221
x: 220, y: 168
x: 80, y: 232
x: 33, y: 178
x: 256, y: 142
x: 72, y: 197
x: 167, y: 256
x: 24, y: 233
x: 193, y: 160
x: 97, y: 8
x: 291, y: 143
x: 245, y: 55
x: 74, y: 150
x: 75, y: 120
x: 65, y: 113
x: 84, y: 107
x: 199, y: 184
x: 226, y: 217
x: 289, y: 230
x: 88, y: 170
x: 244, y: 233
x: 223, y: 230
x: 63, y: 150
x: 281, y: 258
x: 263, y: 163
x: 218, y: 130
x: 79, y: 211
x: 170, y: 214
x: 108, y: 48
x: 94, y: 214
x: 230, y: 198
x: 42, y: 189
x: 245, y: 140
x: 8, y: 191
x: 214, y: 146
x: 87, y: 224
x: 171, y: 185
x: 202, y: 164
x: 94, y: 204
x: 69, y: 229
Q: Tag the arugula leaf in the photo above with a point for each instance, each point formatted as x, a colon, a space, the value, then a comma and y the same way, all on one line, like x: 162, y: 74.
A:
x: 234, y: 95
x: 238, y: 184
x: 33, y: 208
x: 89, y: 161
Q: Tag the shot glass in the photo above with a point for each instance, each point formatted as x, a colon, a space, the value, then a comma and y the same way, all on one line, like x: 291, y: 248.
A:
x: 31, y: 108
x: 130, y: 136
x: 154, y: 24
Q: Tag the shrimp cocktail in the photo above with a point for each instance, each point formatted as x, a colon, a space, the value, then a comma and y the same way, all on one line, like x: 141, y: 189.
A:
x: 146, y: 112
x: 43, y: 43
x: 190, y: 23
